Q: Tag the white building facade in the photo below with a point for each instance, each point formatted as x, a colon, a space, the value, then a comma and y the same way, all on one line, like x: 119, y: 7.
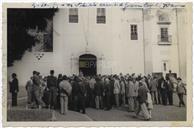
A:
x: 118, y: 41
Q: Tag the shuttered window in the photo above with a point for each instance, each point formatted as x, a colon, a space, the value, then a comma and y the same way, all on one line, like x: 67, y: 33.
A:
x: 73, y: 15
x: 134, y: 35
x: 101, y: 16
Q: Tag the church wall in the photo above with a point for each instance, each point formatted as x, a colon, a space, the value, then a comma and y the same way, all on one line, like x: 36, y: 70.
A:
x: 128, y: 53
x: 24, y: 67
x: 110, y: 43
x: 161, y: 53
x: 184, y: 42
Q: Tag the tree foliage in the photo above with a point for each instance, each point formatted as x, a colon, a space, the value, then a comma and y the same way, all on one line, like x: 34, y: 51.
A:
x: 18, y: 21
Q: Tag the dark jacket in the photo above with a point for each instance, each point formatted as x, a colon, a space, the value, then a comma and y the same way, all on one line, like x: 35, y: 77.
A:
x: 159, y: 83
x: 51, y: 81
x: 29, y: 85
x: 142, y: 94
x: 75, y: 88
x: 58, y: 82
x: 36, y: 81
x: 98, y: 88
x: 14, y: 85
x: 107, y: 89
x: 164, y: 85
x: 81, y: 89
x: 112, y: 86
x: 170, y: 86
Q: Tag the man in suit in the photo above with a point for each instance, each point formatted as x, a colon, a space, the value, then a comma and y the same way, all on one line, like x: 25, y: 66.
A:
x: 92, y: 82
x: 52, y: 86
x: 142, y: 99
x: 81, y: 95
x: 170, y: 89
x: 65, y: 91
x: 98, y: 93
x: 29, y: 89
x: 163, y: 90
x: 153, y: 89
x: 132, y: 93
x: 181, y: 91
x: 14, y: 89
x: 36, y: 89
x: 159, y: 89
x: 117, y: 89
x: 75, y: 92
x: 107, y: 91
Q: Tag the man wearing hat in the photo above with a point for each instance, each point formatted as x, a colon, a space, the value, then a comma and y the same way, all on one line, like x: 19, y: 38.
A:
x: 14, y: 89
x: 153, y: 89
x: 132, y: 93
x: 117, y: 89
x: 107, y: 90
x: 36, y: 89
x: 92, y: 82
x: 65, y: 91
x: 181, y: 90
x: 142, y: 99
x: 75, y: 89
x: 98, y: 93
x: 81, y: 95
x: 52, y: 86
x: 29, y: 89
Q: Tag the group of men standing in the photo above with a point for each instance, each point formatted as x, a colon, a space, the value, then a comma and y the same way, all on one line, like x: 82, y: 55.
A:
x: 101, y: 92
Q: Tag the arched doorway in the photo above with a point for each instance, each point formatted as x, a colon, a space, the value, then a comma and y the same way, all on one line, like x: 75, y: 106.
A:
x: 87, y: 64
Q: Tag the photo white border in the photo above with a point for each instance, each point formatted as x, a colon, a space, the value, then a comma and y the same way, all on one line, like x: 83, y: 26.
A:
x: 21, y: 4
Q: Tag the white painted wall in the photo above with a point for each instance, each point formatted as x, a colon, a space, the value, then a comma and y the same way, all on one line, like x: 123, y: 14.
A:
x: 156, y: 54
x: 109, y: 42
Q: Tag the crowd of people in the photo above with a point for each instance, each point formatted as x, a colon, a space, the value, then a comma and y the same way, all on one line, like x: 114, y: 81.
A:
x: 77, y: 93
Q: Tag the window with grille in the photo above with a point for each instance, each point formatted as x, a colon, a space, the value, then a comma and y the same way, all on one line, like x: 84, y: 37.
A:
x: 164, y: 35
x: 134, y: 35
x: 73, y: 15
x: 101, y: 16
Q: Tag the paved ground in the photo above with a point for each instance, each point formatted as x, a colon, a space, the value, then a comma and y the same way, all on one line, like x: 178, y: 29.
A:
x: 159, y: 113
x: 22, y: 92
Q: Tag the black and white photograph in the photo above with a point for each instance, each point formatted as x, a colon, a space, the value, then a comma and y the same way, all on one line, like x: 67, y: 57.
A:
x: 98, y: 63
